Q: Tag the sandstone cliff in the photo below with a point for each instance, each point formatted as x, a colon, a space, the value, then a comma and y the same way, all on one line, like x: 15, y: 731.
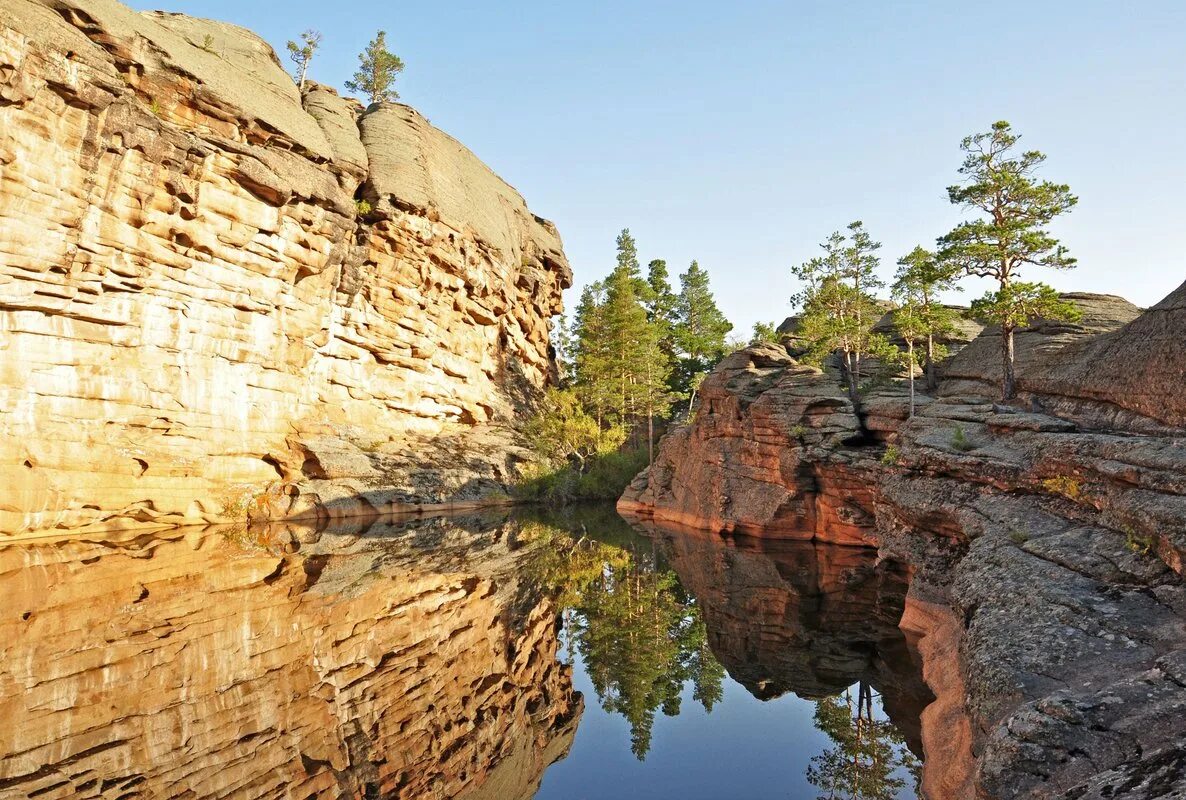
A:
x: 211, y: 285
x: 1046, y: 541
x: 366, y: 665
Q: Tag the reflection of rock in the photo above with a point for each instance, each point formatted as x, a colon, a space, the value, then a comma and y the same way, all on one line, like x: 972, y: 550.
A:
x: 410, y: 662
x: 1047, y: 540
x: 795, y: 616
x: 200, y: 307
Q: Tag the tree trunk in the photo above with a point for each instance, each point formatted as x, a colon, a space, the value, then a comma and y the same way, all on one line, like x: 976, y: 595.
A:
x: 650, y: 437
x: 910, y: 356
x: 1008, y: 379
x: 850, y: 372
x: 932, y: 379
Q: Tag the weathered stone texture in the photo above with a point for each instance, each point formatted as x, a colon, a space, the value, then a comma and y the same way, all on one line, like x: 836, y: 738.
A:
x: 189, y: 298
x: 367, y: 665
x: 1047, y: 540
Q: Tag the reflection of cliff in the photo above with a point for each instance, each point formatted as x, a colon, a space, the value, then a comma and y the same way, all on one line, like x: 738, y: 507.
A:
x: 811, y: 619
x: 407, y: 663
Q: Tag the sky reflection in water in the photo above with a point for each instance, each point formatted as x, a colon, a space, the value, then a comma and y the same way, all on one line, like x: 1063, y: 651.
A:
x: 663, y: 720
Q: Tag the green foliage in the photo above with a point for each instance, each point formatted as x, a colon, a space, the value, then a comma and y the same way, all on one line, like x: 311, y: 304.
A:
x: 208, y: 44
x: 605, y: 477
x: 621, y: 369
x: 764, y: 332
x: 920, y: 316
x: 302, y: 53
x: 562, y: 349
x: 838, y: 308
x: 564, y: 433
x: 700, y: 328
x: 155, y: 108
x: 798, y: 432
x: 640, y: 635
x: 1011, y: 233
x: 1018, y: 304
x: 891, y: 456
x: 960, y: 441
x: 362, y: 207
x: 867, y: 754
x: 377, y: 71
x: 1141, y: 545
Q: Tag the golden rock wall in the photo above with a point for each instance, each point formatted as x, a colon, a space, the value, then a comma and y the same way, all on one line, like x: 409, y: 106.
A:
x: 194, y: 306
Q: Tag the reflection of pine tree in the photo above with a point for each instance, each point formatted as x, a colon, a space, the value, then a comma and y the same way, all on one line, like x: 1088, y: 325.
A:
x: 867, y: 754
x: 639, y: 633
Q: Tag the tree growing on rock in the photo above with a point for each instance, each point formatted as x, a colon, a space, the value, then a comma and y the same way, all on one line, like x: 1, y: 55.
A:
x: 700, y: 326
x: 377, y: 71
x: 301, y: 54
x: 921, y: 317
x: 764, y: 333
x: 1009, y: 235
x: 838, y: 311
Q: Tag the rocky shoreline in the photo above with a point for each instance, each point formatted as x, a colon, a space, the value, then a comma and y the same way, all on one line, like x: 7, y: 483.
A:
x: 1046, y: 539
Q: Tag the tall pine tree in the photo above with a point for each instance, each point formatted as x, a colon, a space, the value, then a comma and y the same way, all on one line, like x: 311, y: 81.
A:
x: 1009, y: 235
x: 700, y: 328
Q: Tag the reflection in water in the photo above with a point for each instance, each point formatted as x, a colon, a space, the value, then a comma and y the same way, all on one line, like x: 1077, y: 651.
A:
x: 639, y: 634
x: 867, y: 757
x: 426, y: 658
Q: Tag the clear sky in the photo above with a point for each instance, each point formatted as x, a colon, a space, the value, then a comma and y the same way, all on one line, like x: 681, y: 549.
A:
x: 742, y: 133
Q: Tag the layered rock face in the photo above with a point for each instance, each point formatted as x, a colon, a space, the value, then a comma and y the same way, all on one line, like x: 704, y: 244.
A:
x: 377, y: 662
x: 1046, y: 539
x: 211, y: 285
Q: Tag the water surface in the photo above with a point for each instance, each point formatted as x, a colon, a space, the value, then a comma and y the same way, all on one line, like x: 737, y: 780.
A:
x: 559, y: 655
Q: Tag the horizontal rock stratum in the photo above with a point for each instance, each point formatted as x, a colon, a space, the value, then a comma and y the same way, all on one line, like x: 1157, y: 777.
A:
x: 218, y: 297
x: 1046, y: 541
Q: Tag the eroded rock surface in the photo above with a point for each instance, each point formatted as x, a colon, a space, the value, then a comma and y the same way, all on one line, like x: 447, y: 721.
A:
x: 378, y: 661
x: 1046, y: 538
x: 195, y: 307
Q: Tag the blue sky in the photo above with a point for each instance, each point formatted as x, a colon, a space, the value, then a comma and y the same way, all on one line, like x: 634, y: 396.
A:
x: 741, y: 134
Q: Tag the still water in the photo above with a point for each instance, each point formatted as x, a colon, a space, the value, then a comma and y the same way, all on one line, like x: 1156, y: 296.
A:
x: 560, y: 655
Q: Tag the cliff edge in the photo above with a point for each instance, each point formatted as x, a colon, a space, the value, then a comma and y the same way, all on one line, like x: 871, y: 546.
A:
x: 220, y: 298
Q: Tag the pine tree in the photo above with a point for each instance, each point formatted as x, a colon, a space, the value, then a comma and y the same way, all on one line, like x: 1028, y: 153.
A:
x: 302, y: 54
x: 764, y: 332
x: 921, y: 317
x: 378, y: 68
x: 1011, y: 234
x: 591, y: 360
x: 561, y: 341
x: 838, y: 311
x: 701, y: 329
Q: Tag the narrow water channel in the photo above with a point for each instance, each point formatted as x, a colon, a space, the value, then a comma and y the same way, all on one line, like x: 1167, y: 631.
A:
x: 559, y: 655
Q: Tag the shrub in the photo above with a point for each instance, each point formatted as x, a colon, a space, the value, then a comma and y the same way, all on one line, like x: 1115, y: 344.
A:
x: 1064, y: 485
x: 362, y: 207
x: 798, y: 432
x: 891, y: 456
x: 960, y: 440
x: 605, y: 477
x: 1141, y: 545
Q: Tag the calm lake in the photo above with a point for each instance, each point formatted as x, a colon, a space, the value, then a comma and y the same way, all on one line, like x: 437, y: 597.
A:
x: 558, y: 655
